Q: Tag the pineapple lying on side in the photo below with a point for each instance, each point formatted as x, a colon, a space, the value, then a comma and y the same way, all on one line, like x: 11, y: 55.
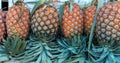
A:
x: 89, y: 14
x: 72, y: 23
x: 17, y: 21
x: 108, y: 23
x: 45, y: 20
x: 2, y: 26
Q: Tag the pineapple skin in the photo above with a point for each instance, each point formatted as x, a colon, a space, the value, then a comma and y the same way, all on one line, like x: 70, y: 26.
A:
x: 45, y: 20
x: 72, y: 23
x: 89, y: 14
x: 17, y: 21
x: 2, y: 26
x: 108, y: 23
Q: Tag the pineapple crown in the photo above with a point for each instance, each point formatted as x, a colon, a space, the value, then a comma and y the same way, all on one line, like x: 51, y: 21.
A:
x: 19, y: 2
x: 70, y: 3
x: 40, y: 2
x: 14, y: 46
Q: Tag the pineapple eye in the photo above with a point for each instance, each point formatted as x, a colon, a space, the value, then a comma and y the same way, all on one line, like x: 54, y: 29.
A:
x: 111, y: 17
x: 51, y: 26
x: 48, y: 32
x: 56, y: 24
x: 114, y: 35
x: 116, y: 27
x: 37, y: 15
x: 50, y: 16
x: 41, y: 14
x: 44, y: 18
x: 45, y: 28
x: 42, y: 23
x: 74, y: 14
x: 35, y: 30
x: 42, y: 31
x: 105, y: 16
x: 36, y: 24
x: 114, y: 31
x: 118, y: 33
x: 106, y: 21
x: 111, y: 24
x: 102, y: 35
x: 103, y: 25
x: 109, y: 28
x: 46, y: 12
x: 39, y: 19
x: 103, y: 30
x: 47, y: 22
x: 53, y: 20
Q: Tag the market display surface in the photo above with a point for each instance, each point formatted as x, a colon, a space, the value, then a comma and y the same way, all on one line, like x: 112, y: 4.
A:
x: 69, y: 33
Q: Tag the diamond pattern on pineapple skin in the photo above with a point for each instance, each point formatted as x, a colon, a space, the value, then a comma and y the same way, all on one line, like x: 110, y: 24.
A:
x: 18, y: 20
x: 71, y: 21
x: 112, y: 31
x: 89, y: 18
x: 49, y: 18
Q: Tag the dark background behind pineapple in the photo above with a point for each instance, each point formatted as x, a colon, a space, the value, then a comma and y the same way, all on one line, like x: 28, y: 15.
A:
x: 4, y: 5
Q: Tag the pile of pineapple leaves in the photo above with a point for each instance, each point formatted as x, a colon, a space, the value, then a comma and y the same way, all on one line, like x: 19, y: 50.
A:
x: 78, y: 49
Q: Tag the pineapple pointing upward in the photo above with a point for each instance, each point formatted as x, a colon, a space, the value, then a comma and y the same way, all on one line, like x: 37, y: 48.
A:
x: 17, y: 21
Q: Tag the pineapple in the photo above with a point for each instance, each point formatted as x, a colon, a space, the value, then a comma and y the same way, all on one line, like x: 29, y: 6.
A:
x: 108, y: 23
x: 72, y: 23
x: 17, y: 21
x: 2, y: 26
x: 45, y: 20
x: 89, y: 14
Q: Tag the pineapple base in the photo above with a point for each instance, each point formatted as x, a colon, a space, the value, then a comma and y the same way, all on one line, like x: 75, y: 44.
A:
x: 108, y: 52
x: 71, y: 50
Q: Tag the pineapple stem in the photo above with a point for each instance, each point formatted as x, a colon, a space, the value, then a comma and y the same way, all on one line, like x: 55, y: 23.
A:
x: 112, y: 0
x: 71, y: 6
x: 100, y: 4
x: 19, y: 2
x: 94, y: 2
x: 40, y: 2
x: 13, y: 1
x: 50, y: 1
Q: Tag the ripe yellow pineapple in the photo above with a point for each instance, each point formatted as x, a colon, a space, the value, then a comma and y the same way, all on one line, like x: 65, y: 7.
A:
x: 17, y: 20
x: 108, y: 23
x: 72, y: 23
x: 89, y: 14
x: 2, y: 27
x: 45, y: 20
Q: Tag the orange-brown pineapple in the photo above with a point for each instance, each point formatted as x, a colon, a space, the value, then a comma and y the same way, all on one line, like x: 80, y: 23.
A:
x: 72, y: 23
x: 89, y: 14
x: 2, y: 27
x: 17, y: 21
